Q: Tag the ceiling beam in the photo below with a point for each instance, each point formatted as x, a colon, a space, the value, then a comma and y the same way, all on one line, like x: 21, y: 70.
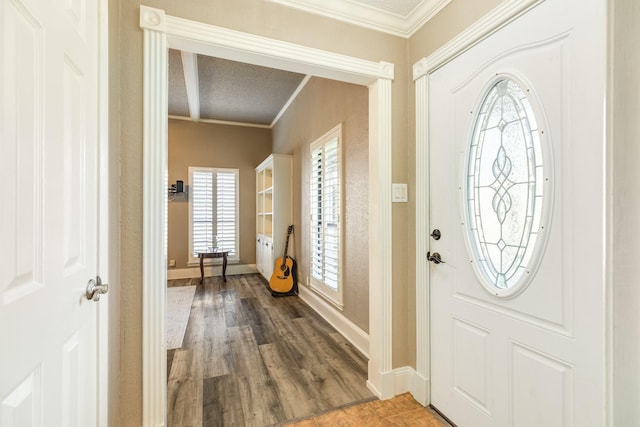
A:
x: 292, y: 98
x: 190, y: 68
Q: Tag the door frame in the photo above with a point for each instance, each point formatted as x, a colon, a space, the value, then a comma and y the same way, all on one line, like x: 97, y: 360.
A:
x: 507, y: 12
x: 163, y: 31
x: 107, y: 225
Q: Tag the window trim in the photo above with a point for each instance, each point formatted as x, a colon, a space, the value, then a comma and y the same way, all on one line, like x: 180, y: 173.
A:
x: 335, y: 297
x: 235, y: 258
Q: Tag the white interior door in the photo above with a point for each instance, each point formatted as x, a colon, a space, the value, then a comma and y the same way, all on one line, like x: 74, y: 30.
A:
x: 516, y: 190
x: 48, y: 213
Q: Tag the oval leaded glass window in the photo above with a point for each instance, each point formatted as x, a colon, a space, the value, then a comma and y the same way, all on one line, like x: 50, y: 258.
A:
x: 505, y: 188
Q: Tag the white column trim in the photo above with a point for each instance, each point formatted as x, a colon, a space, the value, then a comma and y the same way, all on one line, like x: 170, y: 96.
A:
x: 381, y: 378
x: 509, y: 10
x: 225, y: 43
x: 162, y: 31
x: 421, y: 391
x: 154, y: 270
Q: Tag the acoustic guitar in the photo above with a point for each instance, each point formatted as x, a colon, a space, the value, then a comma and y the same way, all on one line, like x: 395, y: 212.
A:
x: 283, y: 280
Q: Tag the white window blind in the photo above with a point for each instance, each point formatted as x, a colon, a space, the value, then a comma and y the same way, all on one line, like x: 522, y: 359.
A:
x: 326, y: 191
x: 213, y: 211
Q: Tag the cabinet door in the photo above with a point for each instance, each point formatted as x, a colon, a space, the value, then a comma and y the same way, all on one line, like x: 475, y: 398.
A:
x: 268, y: 256
x: 258, y: 255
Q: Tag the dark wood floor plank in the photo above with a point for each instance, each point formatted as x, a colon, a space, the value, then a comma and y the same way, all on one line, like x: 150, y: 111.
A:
x: 246, y: 356
x: 184, y: 402
x: 170, y: 354
x: 222, y: 405
x: 260, y: 403
x: 288, y: 381
x: 216, y: 352
x: 251, y: 359
x: 347, y: 372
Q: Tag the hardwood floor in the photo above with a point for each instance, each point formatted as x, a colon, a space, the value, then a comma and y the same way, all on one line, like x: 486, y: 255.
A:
x: 249, y: 359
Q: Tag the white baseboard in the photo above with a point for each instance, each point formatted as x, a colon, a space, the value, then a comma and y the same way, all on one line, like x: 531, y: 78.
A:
x: 210, y: 271
x: 402, y: 377
x: 407, y: 380
x: 420, y: 387
x: 384, y: 385
x: 348, y: 329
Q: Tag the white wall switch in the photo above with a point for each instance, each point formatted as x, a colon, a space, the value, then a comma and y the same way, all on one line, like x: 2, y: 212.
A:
x: 399, y: 193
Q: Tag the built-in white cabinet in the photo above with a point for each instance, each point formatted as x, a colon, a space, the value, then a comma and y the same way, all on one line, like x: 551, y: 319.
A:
x: 274, y: 209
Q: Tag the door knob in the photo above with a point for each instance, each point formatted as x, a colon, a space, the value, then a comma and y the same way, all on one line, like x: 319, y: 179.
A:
x: 435, y: 258
x: 95, y: 288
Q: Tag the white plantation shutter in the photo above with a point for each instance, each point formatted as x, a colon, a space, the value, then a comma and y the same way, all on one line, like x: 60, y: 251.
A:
x: 227, y: 209
x: 201, y: 211
x: 326, y: 189
x: 213, y: 213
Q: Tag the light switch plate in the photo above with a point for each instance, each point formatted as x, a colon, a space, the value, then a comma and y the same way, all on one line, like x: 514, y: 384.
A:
x: 399, y: 193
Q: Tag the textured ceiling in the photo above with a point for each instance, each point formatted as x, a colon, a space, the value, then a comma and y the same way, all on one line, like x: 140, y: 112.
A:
x: 241, y: 92
x: 231, y: 91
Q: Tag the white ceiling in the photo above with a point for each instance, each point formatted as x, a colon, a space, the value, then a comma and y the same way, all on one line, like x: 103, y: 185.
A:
x: 398, y: 17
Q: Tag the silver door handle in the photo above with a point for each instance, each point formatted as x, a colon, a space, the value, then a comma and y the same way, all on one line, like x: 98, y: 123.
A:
x: 95, y: 288
x: 435, y: 258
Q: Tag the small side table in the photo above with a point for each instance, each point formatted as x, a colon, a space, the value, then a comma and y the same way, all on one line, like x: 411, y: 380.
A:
x: 217, y: 254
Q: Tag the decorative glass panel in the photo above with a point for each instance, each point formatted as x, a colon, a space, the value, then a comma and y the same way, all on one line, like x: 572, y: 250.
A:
x: 504, y: 186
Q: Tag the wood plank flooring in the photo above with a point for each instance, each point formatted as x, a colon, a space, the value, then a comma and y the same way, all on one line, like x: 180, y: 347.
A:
x: 249, y: 359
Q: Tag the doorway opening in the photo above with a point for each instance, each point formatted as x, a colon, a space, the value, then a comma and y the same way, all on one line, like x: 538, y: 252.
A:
x: 162, y: 32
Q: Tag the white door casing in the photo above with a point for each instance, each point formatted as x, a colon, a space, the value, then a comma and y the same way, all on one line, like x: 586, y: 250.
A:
x: 162, y: 31
x: 49, y: 214
x: 536, y: 356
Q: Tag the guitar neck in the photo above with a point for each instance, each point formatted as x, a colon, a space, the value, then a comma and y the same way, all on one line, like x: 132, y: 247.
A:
x: 286, y: 246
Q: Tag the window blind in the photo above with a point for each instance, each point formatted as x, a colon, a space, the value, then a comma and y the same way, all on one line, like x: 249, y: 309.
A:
x: 325, y: 211
x: 213, y: 210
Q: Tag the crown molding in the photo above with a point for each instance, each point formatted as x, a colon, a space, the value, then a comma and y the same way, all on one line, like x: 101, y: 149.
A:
x: 487, y: 25
x: 370, y: 17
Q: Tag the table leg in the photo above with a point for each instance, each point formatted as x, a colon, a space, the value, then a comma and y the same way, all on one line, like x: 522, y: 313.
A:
x: 201, y: 269
x: 224, y: 266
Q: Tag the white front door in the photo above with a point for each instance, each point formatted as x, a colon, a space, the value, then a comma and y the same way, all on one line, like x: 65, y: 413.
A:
x: 516, y: 190
x: 48, y: 212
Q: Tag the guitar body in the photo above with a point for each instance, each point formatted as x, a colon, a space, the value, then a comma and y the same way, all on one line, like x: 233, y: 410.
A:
x: 284, y: 280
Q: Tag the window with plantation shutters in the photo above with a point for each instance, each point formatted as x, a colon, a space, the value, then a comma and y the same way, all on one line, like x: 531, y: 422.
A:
x: 326, y: 205
x: 213, y: 211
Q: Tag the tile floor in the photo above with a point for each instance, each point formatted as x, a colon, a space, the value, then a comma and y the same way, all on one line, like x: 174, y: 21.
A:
x: 402, y: 411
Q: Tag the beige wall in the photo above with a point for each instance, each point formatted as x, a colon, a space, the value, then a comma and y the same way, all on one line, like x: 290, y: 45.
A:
x: 113, y: 279
x: 219, y: 146
x: 321, y: 106
x: 625, y: 211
